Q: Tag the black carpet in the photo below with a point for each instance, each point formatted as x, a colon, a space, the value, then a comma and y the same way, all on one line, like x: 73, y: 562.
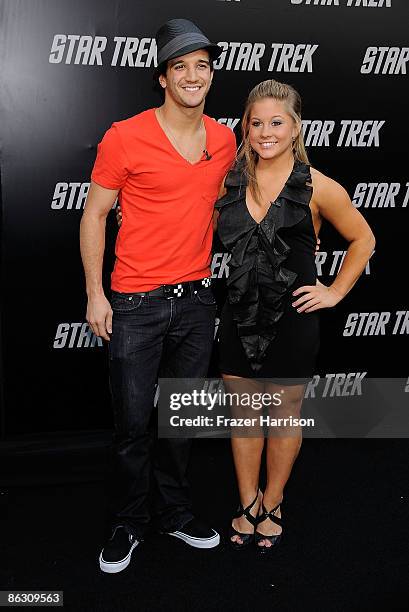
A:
x: 345, y: 543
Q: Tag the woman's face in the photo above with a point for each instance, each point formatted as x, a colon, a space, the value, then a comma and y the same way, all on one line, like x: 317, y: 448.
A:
x: 271, y: 128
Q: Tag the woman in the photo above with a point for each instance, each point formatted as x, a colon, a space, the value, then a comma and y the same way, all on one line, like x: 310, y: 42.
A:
x: 269, y: 219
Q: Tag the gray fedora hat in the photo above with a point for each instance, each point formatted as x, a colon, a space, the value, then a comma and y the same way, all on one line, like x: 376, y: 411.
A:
x: 179, y: 37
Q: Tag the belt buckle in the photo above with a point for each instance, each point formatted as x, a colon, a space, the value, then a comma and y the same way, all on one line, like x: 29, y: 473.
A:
x: 176, y: 291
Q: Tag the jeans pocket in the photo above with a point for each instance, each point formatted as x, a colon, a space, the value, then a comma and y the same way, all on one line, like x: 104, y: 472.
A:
x: 122, y: 302
x: 205, y: 296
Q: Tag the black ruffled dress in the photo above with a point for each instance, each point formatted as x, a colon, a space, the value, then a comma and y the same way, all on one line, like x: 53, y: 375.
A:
x: 261, y: 334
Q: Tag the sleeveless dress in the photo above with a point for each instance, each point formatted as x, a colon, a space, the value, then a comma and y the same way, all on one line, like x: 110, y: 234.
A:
x: 261, y: 335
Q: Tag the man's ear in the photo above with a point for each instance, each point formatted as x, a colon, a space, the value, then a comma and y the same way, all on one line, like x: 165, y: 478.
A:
x: 162, y: 81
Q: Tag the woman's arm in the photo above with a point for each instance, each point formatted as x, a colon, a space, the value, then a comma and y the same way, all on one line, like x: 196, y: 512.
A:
x: 334, y: 204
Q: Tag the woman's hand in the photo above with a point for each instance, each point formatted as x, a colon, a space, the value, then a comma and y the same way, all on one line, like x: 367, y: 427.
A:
x: 118, y: 213
x: 315, y: 297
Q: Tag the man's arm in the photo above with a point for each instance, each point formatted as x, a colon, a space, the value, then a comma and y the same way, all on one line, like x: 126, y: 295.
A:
x: 92, y: 243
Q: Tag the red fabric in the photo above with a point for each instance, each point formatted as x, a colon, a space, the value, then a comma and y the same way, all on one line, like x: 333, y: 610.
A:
x: 167, y: 203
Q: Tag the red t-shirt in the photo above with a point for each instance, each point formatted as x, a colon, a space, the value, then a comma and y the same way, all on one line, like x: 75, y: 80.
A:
x: 167, y: 203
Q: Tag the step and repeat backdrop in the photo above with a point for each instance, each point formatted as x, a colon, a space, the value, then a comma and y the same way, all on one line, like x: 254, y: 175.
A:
x: 72, y: 67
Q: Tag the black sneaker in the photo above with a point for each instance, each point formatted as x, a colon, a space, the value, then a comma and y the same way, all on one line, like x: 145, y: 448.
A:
x: 116, y: 554
x: 196, y: 534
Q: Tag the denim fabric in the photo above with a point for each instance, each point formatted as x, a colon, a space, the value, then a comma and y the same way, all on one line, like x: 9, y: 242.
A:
x: 152, y: 337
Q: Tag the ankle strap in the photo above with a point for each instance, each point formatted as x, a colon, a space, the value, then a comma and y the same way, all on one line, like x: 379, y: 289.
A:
x: 246, y: 512
x: 270, y: 515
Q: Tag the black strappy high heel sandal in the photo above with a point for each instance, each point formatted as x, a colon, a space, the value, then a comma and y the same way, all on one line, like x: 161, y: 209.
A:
x: 246, y: 538
x: 274, y: 539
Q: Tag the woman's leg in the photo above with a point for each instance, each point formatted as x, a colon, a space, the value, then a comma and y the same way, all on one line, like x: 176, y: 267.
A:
x: 247, y: 451
x: 283, y: 445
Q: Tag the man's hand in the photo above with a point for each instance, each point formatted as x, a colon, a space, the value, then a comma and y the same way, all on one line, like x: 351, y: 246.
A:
x: 118, y: 213
x: 317, y: 246
x: 99, y: 316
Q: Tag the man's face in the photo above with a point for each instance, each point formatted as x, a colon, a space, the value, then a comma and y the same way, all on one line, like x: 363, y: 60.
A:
x: 188, y: 78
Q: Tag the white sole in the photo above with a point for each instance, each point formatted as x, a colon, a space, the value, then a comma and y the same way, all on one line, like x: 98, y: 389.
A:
x: 198, y: 542
x: 116, y: 566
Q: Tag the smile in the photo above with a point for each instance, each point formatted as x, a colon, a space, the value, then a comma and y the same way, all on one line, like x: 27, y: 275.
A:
x: 192, y: 89
x: 267, y: 145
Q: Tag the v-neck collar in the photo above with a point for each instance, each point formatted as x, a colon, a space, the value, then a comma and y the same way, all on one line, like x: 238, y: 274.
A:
x: 272, y: 202
x: 171, y: 145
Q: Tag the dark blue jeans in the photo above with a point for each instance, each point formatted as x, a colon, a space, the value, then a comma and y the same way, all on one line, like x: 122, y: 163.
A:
x: 152, y: 337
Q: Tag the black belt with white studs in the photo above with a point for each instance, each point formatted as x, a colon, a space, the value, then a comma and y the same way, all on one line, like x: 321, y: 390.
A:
x: 179, y: 290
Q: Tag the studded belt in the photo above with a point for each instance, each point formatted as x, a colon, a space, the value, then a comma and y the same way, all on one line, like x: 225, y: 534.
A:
x: 179, y: 290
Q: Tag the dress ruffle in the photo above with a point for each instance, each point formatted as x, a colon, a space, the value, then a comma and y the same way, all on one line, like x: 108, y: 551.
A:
x: 259, y: 282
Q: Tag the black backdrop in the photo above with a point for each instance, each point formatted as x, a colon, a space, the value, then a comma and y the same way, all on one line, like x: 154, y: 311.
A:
x: 63, y: 85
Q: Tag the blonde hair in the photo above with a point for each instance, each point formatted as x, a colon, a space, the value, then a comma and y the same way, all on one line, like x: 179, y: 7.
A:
x: 292, y: 102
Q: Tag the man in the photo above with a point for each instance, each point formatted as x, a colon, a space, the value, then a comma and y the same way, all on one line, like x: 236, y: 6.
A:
x: 166, y: 166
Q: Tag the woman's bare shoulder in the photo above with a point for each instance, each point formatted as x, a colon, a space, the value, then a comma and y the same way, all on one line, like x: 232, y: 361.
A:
x: 326, y: 187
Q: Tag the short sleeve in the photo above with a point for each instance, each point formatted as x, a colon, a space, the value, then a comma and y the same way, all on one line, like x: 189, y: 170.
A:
x: 111, y: 167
